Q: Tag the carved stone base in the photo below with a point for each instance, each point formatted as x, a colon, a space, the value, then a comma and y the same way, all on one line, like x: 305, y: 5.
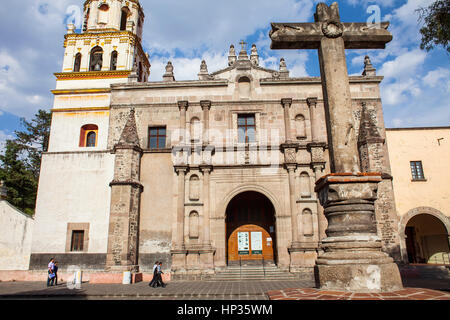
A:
x: 178, y: 260
x: 352, y: 259
x: 303, y: 255
x: 360, y: 277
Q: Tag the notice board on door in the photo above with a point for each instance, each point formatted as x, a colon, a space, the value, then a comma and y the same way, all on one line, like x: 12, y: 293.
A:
x: 256, y: 241
x: 243, y: 243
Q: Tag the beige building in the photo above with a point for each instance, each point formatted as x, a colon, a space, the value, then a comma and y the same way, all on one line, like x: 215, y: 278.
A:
x: 420, y: 166
x: 200, y: 174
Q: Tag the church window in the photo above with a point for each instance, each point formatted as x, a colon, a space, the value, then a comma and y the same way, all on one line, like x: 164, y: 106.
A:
x: 246, y: 128
x: 103, y: 14
x: 300, y: 127
x: 77, y: 64
x: 86, y: 19
x: 157, y: 138
x: 124, y: 18
x: 96, y: 62
x: 194, y: 188
x: 77, y: 243
x: 140, y: 72
x: 88, y: 135
x: 194, y: 225
x: 417, y: 170
x: 114, y: 60
x: 91, y: 139
x: 195, y: 129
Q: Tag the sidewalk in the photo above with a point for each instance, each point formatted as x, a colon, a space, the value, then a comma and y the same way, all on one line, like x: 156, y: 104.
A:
x: 250, y: 290
x: 175, y: 290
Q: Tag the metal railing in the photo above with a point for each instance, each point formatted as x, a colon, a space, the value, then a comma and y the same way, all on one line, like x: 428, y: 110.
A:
x: 264, y: 268
x: 442, y: 260
x: 240, y: 267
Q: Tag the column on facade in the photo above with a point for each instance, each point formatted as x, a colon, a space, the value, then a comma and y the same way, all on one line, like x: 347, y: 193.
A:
x: 181, y: 171
x: 286, y: 103
x: 206, y: 241
x: 183, y: 106
x: 206, y: 106
x: 312, y: 104
x: 293, y: 202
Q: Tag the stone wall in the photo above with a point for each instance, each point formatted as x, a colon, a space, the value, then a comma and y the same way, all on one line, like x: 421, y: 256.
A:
x: 15, y: 238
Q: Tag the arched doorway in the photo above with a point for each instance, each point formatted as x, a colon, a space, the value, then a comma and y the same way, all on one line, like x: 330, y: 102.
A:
x: 250, y: 229
x: 427, y: 240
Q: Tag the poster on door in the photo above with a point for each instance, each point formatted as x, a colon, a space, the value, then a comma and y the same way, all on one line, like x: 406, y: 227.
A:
x: 257, y: 245
x: 243, y: 243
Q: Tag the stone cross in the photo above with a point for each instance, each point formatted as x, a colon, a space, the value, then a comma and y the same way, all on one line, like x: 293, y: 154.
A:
x: 331, y: 37
x: 243, y: 43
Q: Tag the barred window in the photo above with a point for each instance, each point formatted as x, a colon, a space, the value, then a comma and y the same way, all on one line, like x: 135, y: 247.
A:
x: 77, y: 240
x: 157, y: 138
x: 417, y: 170
x: 246, y: 128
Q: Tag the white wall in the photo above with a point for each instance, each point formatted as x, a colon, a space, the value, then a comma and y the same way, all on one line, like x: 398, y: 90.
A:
x: 73, y: 188
x: 15, y: 238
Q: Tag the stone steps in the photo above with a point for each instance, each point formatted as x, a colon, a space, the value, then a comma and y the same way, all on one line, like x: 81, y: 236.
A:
x: 425, y: 271
x: 253, y: 273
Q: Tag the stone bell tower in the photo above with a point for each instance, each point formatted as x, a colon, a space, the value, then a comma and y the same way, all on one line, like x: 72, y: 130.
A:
x: 109, y: 43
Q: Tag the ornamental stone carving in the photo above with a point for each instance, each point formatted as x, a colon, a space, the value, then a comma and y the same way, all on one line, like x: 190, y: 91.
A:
x: 332, y: 29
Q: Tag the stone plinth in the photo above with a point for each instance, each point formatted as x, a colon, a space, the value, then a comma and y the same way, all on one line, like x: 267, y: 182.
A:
x: 352, y: 259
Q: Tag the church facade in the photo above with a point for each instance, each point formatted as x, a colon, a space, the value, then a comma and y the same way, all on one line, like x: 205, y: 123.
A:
x: 199, y: 174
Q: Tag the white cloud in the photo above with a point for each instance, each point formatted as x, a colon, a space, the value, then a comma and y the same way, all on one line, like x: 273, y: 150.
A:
x: 385, y: 3
x: 440, y: 76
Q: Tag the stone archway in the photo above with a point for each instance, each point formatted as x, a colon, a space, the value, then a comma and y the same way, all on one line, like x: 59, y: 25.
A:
x: 250, y: 229
x: 424, y: 233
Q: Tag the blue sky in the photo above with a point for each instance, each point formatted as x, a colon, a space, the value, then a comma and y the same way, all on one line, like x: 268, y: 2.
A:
x: 415, y: 91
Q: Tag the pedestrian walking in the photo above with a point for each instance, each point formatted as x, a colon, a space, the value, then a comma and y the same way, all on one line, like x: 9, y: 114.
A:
x: 160, y: 273
x: 155, y: 275
x: 51, y: 274
x: 55, y: 271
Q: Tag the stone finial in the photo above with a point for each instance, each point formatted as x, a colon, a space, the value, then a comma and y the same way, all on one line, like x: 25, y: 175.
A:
x: 284, y: 72
x: 3, y: 191
x: 129, y: 136
x: 203, y: 75
x: 243, y: 54
x: 369, y: 70
x: 232, y: 56
x: 70, y: 28
x: 169, y: 76
x: 254, y: 57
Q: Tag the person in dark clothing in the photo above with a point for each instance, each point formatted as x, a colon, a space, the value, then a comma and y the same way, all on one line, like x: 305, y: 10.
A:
x: 55, y: 271
x: 159, y: 280
x: 155, y: 275
x: 51, y: 274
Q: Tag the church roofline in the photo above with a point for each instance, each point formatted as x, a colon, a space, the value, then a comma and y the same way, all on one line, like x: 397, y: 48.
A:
x: 419, y: 128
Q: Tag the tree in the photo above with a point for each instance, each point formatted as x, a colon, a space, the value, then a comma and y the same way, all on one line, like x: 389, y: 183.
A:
x: 436, y: 29
x: 19, y: 180
x: 21, y: 161
x: 34, y: 140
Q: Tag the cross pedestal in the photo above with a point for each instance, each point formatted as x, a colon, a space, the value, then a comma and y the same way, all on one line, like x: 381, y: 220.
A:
x: 352, y: 258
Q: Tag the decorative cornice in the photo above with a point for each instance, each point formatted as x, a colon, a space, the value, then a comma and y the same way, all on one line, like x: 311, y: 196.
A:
x: 88, y: 109
x: 92, y: 75
x: 80, y: 91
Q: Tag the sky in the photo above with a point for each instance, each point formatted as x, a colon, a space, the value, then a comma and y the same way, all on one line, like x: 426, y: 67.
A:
x: 415, y: 91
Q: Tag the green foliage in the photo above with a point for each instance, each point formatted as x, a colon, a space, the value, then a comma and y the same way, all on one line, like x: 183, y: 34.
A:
x: 436, y: 29
x: 21, y: 161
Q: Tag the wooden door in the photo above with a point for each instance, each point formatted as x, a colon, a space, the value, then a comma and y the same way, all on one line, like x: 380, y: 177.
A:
x: 254, y: 245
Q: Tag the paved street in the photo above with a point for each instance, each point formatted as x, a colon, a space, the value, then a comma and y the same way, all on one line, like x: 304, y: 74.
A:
x: 183, y: 290
x: 177, y: 290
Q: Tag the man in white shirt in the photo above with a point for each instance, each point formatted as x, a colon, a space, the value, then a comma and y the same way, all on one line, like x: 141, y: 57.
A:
x: 51, y: 266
